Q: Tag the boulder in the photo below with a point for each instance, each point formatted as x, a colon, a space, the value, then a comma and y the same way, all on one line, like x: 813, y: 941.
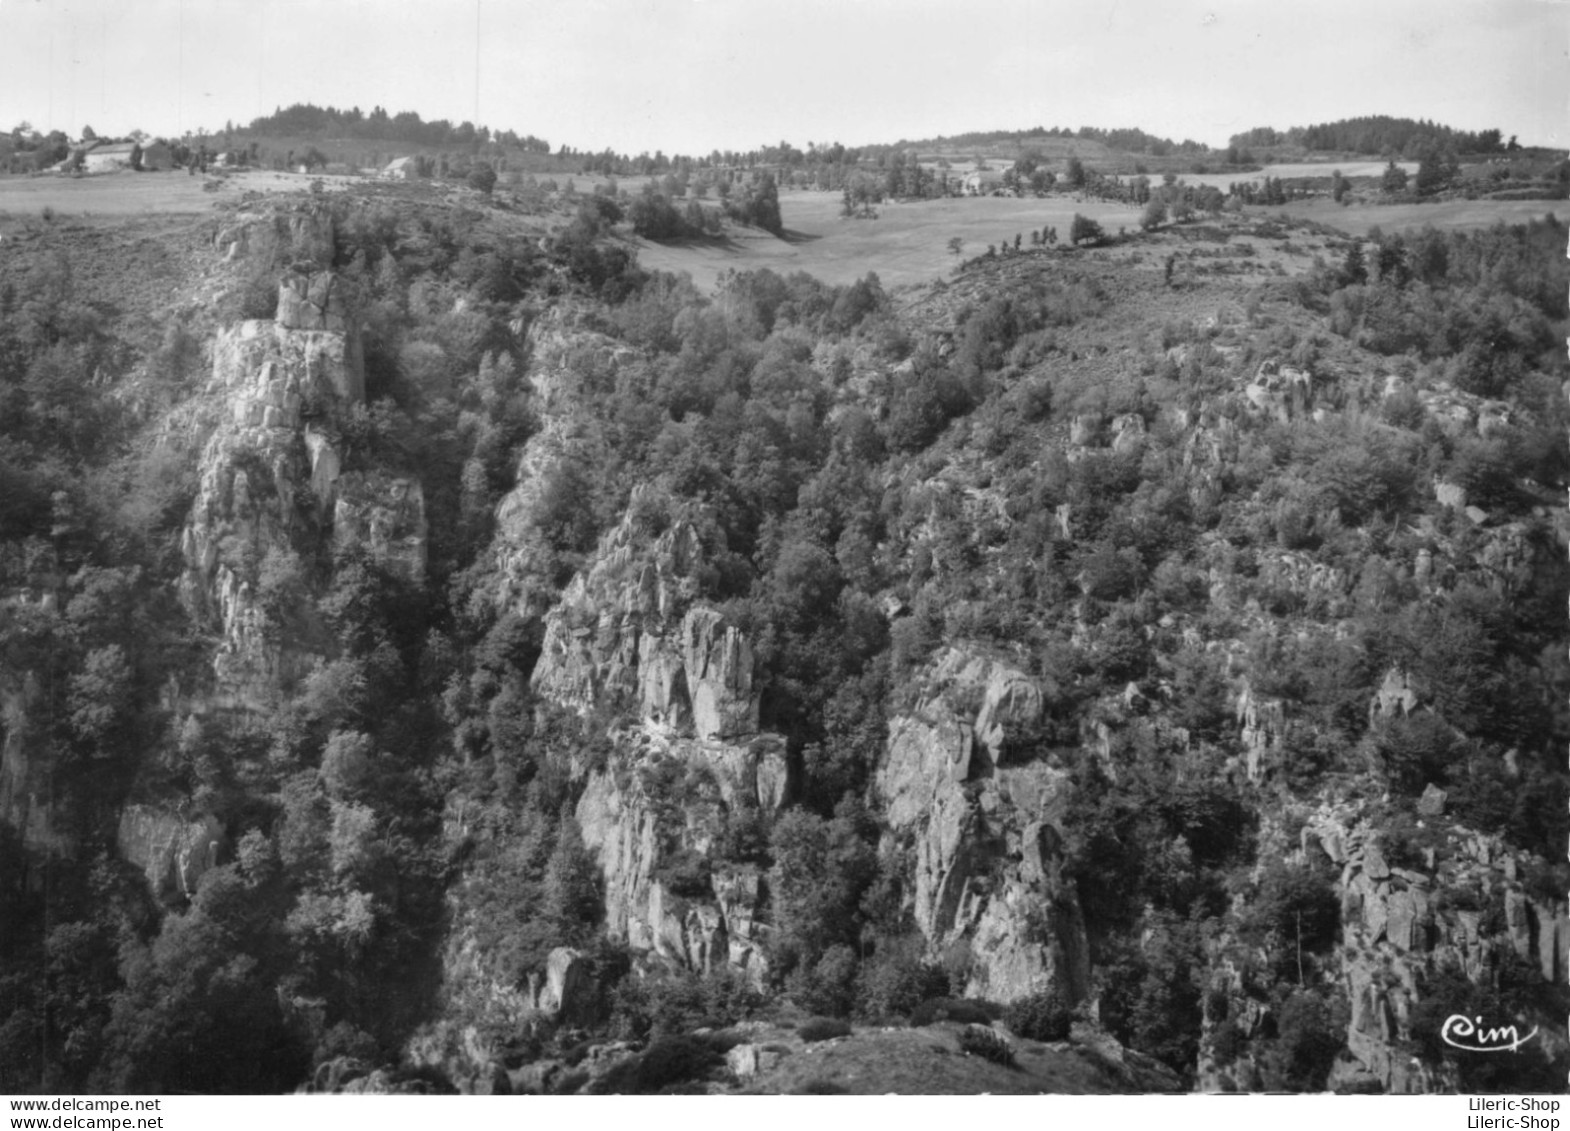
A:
x: 1374, y: 865
x: 742, y: 1061
x: 569, y: 994
x: 1432, y: 803
x: 1452, y: 495
x: 1395, y: 696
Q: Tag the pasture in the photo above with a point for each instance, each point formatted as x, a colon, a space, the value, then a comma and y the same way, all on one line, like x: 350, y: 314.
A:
x: 907, y: 243
x: 143, y: 194
x: 1359, y: 219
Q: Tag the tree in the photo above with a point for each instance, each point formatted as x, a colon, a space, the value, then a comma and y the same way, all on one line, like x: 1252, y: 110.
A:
x: 1394, y: 178
x: 1155, y: 212
x: 482, y: 178
x: 1434, y: 172
x: 1354, y: 269
x: 955, y: 244
x: 1076, y: 173
x: 1085, y: 230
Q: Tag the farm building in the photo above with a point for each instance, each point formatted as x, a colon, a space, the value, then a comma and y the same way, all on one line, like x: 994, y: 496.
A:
x: 401, y: 169
x: 982, y: 182
x: 107, y: 158
x: 156, y: 156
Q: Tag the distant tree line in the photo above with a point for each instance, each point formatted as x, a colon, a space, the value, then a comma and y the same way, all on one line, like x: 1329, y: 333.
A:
x: 1377, y: 134
x: 303, y: 118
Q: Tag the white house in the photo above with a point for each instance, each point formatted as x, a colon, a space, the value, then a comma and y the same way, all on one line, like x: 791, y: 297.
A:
x: 401, y: 169
x: 982, y: 182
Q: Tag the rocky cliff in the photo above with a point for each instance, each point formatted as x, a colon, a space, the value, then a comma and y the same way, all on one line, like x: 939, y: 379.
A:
x: 985, y: 836
x: 631, y: 642
x: 272, y: 482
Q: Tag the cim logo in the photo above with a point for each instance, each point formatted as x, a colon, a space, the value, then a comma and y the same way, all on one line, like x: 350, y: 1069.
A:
x: 1468, y: 1033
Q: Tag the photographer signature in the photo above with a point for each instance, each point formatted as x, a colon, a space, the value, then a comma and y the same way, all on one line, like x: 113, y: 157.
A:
x: 1468, y: 1033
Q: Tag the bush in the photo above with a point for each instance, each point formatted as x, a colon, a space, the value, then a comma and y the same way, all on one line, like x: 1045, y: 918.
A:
x: 823, y: 1029
x: 1085, y: 230
x: 1040, y: 1017
x: 1226, y: 1044
x: 482, y: 178
x: 986, y: 1042
x: 828, y: 986
x: 937, y: 1009
x: 668, y: 1062
x: 896, y: 981
x: 1306, y: 1047
x: 662, y: 1006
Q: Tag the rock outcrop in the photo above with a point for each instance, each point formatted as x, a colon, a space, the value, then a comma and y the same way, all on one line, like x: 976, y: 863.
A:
x: 1401, y: 927
x: 171, y: 851
x: 272, y: 483
x: 947, y: 785
x: 1282, y: 391
x: 631, y: 641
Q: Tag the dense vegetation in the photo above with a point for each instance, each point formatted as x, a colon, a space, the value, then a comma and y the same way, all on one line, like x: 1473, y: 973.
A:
x: 1380, y: 135
x: 830, y: 451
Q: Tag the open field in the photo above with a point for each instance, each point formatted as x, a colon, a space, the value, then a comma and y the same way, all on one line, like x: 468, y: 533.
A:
x: 907, y: 243
x: 141, y: 194
x: 1449, y: 214
x: 1299, y: 169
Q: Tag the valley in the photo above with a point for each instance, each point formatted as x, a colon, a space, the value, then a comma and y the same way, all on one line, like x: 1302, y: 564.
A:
x: 452, y: 642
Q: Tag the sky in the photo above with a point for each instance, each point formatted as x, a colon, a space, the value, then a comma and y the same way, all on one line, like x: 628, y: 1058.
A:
x: 691, y: 76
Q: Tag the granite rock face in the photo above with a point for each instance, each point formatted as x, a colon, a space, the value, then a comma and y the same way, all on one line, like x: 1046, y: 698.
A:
x: 946, y: 784
x: 272, y: 486
x: 630, y: 638
x: 1282, y: 391
x: 1400, y: 929
x: 171, y: 851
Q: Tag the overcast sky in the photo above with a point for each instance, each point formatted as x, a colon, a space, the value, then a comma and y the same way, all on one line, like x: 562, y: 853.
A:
x: 689, y: 76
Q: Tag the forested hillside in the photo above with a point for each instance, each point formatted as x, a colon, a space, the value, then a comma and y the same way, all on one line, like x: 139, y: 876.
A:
x: 436, y: 653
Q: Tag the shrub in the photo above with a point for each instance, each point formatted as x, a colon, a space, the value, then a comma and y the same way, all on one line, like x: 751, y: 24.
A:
x: 828, y: 986
x: 1040, y: 1017
x: 1085, y: 230
x: 984, y: 1041
x: 482, y: 178
x: 932, y: 1011
x: 896, y: 981
x: 821, y: 1088
x: 1302, y: 1055
x: 822, y: 1029
x: 661, y: 1006
x: 1226, y: 1043
x: 666, y: 1063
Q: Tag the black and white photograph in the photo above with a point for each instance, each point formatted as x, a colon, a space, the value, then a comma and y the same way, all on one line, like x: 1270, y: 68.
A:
x: 633, y: 548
